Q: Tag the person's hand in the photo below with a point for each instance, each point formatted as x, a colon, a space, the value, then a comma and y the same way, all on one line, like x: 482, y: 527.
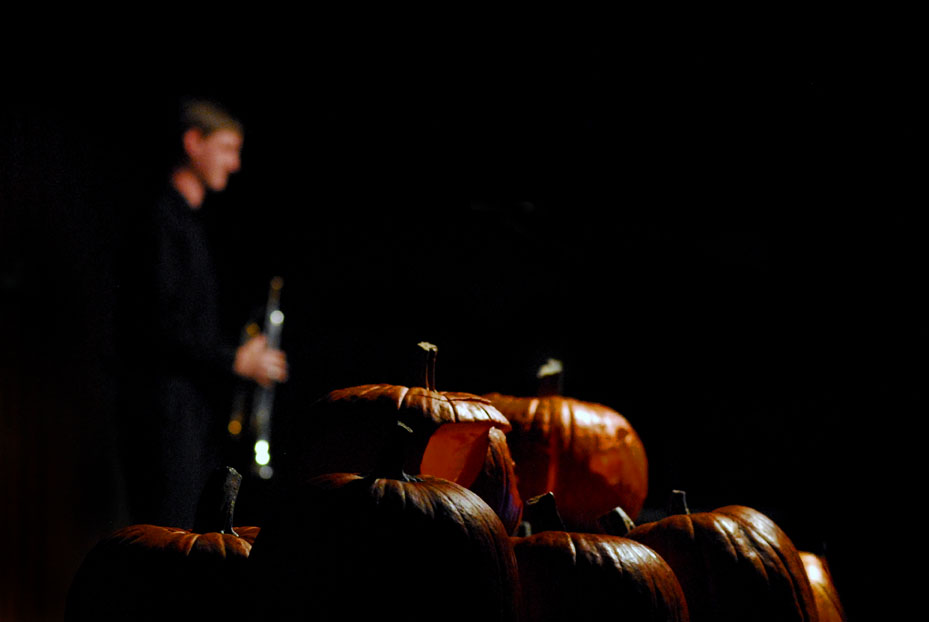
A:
x: 255, y: 360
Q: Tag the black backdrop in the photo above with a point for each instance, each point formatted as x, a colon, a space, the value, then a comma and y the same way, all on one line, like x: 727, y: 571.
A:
x: 718, y: 238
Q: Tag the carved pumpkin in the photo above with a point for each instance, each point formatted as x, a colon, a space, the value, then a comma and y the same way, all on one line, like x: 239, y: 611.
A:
x: 825, y: 593
x: 452, y: 440
x: 587, y: 454
x: 149, y: 572
x: 343, y: 546
x: 734, y: 564
x: 593, y: 576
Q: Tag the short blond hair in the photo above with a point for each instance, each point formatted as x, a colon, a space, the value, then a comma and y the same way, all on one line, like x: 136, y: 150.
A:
x: 207, y: 116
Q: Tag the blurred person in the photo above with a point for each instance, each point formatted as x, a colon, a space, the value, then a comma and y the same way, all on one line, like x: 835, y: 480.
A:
x: 178, y: 367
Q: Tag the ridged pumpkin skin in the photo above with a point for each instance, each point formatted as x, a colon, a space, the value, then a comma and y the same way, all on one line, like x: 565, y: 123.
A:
x: 347, y: 547
x: 149, y: 572
x: 451, y: 438
x: 587, y: 454
x: 825, y: 593
x: 734, y: 564
x: 583, y: 576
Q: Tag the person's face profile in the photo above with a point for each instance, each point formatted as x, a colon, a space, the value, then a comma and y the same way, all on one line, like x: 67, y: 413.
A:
x: 215, y: 156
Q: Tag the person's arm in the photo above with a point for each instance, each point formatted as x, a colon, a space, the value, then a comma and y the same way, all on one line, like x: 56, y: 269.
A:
x: 189, y: 338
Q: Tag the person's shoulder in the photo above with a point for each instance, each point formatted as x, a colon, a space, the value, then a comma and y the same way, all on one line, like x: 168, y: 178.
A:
x: 169, y: 199
x: 170, y: 208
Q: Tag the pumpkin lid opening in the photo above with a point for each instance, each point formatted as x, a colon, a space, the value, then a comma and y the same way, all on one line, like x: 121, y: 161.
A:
x: 456, y: 452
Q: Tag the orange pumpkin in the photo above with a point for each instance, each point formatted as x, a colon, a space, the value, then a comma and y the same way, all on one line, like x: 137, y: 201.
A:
x: 586, y: 453
x: 451, y: 437
x: 592, y: 576
x: 150, y: 572
x: 734, y: 564
x: 384, y: 545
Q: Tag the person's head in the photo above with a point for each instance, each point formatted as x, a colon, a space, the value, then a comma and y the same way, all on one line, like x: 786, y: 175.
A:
x: 211, y: 139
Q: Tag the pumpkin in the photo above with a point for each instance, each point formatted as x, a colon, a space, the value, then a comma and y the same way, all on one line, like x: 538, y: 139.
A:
x: 496, y: 483
x: 734, y: 564
x: 592, y: 576
x: 451, y: 437
x: 825, y: 593
x: 150, y: 572
x: 586, y: 453
x: 346, y: 546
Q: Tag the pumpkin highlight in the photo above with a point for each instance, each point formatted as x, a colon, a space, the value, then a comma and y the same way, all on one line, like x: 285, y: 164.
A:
x: 828, y: 603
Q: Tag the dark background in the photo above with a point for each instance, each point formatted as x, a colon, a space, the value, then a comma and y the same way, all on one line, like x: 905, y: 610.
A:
x: 720, y: 237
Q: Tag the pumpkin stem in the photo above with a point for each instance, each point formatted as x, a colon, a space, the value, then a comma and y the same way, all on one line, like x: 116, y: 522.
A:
x: 217, y: 502
x: 678, y: 503
x: 616, y: 522
x: 393, y: 456
x: 551, y: 378
x: 541, y: 512
x: 429, y: 368
x: 523, y: 530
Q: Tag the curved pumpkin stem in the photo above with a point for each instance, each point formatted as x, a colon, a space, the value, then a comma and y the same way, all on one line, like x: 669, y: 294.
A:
x: 541, y: 512
x: 616, y: 522
x: 390, y: 462
x: 217, y: 502
x: 429, y: 368
x: 551, y: 378
x: 678, y: 503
